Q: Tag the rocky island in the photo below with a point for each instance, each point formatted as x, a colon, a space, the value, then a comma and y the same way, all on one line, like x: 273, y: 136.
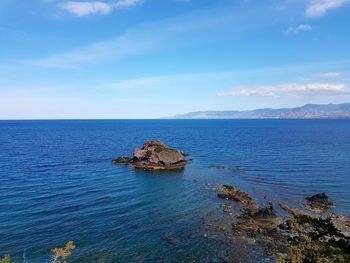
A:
x: 155, y: 155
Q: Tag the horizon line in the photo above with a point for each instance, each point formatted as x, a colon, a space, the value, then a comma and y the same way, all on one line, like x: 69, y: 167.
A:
x: 174, y: 119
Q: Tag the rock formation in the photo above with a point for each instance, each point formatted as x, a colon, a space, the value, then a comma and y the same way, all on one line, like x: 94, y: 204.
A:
x: 155, y: 155
x: 301, y: 237
x: 319, y: 202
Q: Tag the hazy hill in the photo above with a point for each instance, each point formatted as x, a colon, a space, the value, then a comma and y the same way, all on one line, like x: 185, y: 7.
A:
x: 308, y: 111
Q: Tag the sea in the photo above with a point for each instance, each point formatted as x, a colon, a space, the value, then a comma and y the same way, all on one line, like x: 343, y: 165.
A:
x: 58, y: 184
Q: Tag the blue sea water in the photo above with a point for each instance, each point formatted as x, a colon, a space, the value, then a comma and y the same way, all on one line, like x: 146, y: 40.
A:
x: 57, y: 184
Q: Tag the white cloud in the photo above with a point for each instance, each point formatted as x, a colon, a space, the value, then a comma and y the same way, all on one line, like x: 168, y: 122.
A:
x: 87, y: 8
x: 312, y: 87
x: 262, y: 91
x: 318, y: 8
x: 289, y: 88
x: 84, y: 8
x: 298, y: 29
x: 127, y: 3
x: 330, y: 74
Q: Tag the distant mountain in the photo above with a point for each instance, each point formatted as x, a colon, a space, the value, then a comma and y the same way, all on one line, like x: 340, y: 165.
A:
x: 308, y: 111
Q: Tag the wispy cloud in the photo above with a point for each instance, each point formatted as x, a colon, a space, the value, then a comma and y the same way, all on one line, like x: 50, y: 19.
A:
x: 332, y: 74
x: 289, y: 88
x: 84, y: 8
x: 297, y: 29
x: 318, y: 8
x: 261, y: 91
x: 138, y: 40
x: 116, y: 49
x: 126, y: 3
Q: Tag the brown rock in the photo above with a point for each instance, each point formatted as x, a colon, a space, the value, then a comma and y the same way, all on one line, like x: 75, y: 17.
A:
x: 319, y: 202
x: 122, y: 159
x: 234, y: 193
x: 155, y: 155
x: 226, y: 208
x: 294, y: 211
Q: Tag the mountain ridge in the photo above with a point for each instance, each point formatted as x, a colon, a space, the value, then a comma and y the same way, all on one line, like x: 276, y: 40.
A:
x: 308, y: 111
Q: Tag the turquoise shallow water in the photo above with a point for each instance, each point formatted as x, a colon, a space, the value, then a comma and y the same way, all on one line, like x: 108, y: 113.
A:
x: 57, y: 183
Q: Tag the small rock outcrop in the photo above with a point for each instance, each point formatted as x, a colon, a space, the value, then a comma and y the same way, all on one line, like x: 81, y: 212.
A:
x: 155, y: 155
x: 123, y: 159
x: 247, y: 203
x: 319, y: 202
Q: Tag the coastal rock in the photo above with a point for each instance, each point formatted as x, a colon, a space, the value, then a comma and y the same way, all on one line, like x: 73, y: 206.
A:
x: 122, y: 159
x: 227, y: 209
x: 247, y: 203
x: 252, y: 221
x: 319, y: 202
x: 155, y: 155
x: 342, y: 222
x: 294, y: 211
x: 306, y: 236
x: 265, y: 213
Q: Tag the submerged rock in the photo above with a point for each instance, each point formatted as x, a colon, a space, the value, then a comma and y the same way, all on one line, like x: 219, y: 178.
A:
x: 227, y: 209
x: 155, y: 155
x: 171, y: 239
x: 122, y: 159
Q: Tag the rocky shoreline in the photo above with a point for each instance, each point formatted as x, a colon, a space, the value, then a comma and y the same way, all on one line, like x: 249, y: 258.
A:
x: 311, y: 235
x: 155, y: 155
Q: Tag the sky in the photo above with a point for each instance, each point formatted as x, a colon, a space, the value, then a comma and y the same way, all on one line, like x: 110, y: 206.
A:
x: 127, y: 59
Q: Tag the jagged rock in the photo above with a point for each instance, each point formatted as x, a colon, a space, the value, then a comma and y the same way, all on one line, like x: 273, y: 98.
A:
x: 319, y: 202
x: 230, y: 192
x: 265, y: 213
x: 227, y: 209
x: 155, y: 155
x: 303, y: 235
x: 341, y: 222
x: 252, y: 221
x: 284, y: 226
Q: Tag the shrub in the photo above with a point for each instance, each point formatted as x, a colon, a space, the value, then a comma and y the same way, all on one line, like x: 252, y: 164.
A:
x: 60, y: 255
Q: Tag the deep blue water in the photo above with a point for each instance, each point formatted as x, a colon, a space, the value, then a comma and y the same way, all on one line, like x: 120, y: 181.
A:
x: 57, y: 184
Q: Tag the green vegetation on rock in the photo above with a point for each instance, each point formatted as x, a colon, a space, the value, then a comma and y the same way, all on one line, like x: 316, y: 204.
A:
x: 6, y: 259
x: 318, y: 241
x: 60, y: 255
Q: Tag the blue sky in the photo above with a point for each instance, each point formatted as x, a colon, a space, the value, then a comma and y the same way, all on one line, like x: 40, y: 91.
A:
x: 156, y: 58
